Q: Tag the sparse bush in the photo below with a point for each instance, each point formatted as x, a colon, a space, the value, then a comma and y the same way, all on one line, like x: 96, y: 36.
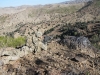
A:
x: 7, y: 41
x: 95, y: 39
x: 96, y: 45
x: 81, y: 25
x: 3, y: 18
x: 97, y: 3
x: 81, y: 29
x: 48, y: 31
x: 71, y: 30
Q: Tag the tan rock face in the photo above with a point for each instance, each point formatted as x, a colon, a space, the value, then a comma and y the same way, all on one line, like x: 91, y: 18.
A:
x: 16, y: 35
x: 29, y: 42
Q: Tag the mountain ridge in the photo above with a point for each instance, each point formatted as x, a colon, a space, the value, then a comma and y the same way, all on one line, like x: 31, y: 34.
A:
x: 75, y: 1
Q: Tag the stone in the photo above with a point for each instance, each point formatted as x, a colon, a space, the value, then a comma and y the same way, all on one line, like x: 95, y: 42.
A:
x: 1, y: 63
x: 81, y: 59
x: 77, y: 42
x: 43, y: 46
x: 89, y: 52
x: 34, y: 40
x: 38, y: 34
x: 12, y: 58
x: 26, y: 50
x: 80, y: 43
x: 38, y: 44
x: 49, y: 67
x: 10, y: 52
x: 16, y: 35
x: 70, y: 41
x: 47, y: 39
x: 9, y: 58
x: 1, y: 51
x: 32, y: 49
x: 83, y: 43
x: 29, y: 41
x: 13, y: 73
x: 15, y: 54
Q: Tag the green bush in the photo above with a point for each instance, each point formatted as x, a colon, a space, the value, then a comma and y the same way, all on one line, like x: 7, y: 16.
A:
x: 96, y: 45
x: 81, y: 25
x: 48, y: 31
x: 97, y: 3
x: 7, y: 41
x: 94, y: 39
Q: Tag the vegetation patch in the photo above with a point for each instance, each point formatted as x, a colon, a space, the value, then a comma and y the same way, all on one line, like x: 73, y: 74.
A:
x: 48, y: 31
x: 3, y: 18
x: 97, y: 3
x: 7, y: 41
x: 81, y: 29
x: 73, y: 30
x: 95, y: 40
x: 69, y: 9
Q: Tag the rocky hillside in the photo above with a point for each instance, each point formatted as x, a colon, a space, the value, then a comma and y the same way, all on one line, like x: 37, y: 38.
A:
x: 35, y: 14
x: 55, y: 39
x: 61, y: 13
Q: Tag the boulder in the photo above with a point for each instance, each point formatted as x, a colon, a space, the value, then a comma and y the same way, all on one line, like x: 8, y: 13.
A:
x: 35, y: 40
x: 6, y: 59
x: 38, y: 44
x: 77, y: 42
x: 10, y: 52
x: 43, y: 46
x: 1, y: 63
x: 80, y: 43
x: 70, y: 41
x: 29, y: 41
x: 47, y: 39
x: 16, y: 35
x: 26, y: 50
x: 38, y: 34
x: 83, y: 43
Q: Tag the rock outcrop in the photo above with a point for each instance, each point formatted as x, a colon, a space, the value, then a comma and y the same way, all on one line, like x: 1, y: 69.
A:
x: 34, y: 44
x: 47, y: 39
x: 80, y: 43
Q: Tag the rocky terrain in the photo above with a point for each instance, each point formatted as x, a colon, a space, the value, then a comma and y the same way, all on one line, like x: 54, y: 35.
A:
x: 60, y: 39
